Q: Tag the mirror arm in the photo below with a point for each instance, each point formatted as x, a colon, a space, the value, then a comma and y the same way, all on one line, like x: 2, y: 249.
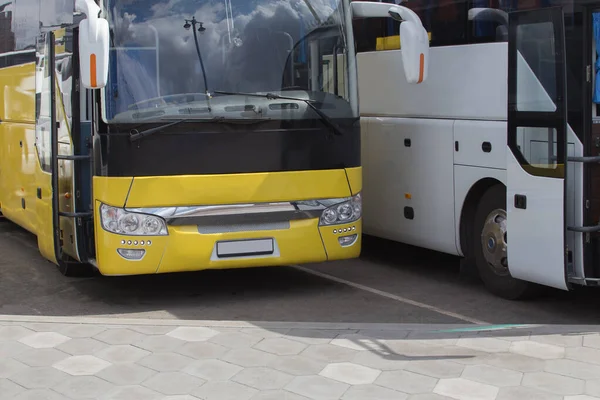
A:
x: 92, y: 11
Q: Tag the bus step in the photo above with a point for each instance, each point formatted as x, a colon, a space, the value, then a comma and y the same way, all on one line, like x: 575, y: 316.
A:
x: 77, y: 157
x: 584, y: 229
x: 75, y: 215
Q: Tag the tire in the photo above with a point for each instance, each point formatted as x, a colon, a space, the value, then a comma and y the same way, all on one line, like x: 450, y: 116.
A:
x: 489, y: 238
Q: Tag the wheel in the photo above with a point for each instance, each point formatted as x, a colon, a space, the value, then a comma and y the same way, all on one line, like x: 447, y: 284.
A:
x: 490, y: 247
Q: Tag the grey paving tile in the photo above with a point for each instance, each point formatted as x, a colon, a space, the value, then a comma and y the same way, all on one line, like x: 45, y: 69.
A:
x: 38, y: 394
x: 9, y: 367
x: 407, y: 382
x: 581, y: 397
x: 386, y: 335
x: 39, y: 377
x: 263, y: 378
x: 41, y: 357
x: 317, y: 387
x: 224, y: 391
x: 592, y: 341
x: 489, y: 345
x: 329, y: 353
x: 171, y: 383
x: 249, y: 357
x: 199, y: 350
x: 278, y: 395
x: 124, y: 353
x: 126, y: 374
x: 265, y: 333
x: 119, y: 336
x: 298, y: 365
x: 159, y: 343
x: 428, y: 396
x: 464, y: 389
x: 82, y: 330
x: 592, y: 387
x: 180, y: 397
x: 553, y: 383
x: 384, y: 362
x: 312, y: 336
x: 585, y: 354
x: 280, y: 346
x: 83, y: 387
x: 436, y: 368
x: 236, y: 340
x: 9, y: 389
x: 492, y: 375
x: 515, y: 362
x: 559, y: 340
x: 537, y: 350
x: 152, y: 329
x: 82, y: 365
x: 192, y: 334
x: 372, y: 392
x: 42, y: 340
x: 82, y: 346
x: 44, y: 326
x: 352, y: 374
x: 166, y: 362
x: 525, y: 393
x: 13, y: 332
x: 212, y: 370
x: 131, y: 392
x: 574, y: 369
x: 358, y: 342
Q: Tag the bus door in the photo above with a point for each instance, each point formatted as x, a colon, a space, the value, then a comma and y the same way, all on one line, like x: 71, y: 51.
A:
x: 537, y: 139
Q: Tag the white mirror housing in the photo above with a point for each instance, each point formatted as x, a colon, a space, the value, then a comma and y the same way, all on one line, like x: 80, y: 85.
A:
x: 413, y: 36
x: 94, y: 42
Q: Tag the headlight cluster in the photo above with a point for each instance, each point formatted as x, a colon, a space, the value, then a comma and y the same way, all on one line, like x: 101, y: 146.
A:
x: 341, y: 213
x: 119, y: 221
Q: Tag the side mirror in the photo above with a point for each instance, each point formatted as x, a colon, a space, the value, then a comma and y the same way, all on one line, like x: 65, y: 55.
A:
x: 413, y: 36
x: 94, y: 42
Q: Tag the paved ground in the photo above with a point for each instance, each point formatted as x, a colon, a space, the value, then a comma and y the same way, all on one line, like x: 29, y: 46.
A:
x: 74, y: 358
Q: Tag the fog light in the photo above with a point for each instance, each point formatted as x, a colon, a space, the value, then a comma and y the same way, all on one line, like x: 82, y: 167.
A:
x: 132, y: 254
x: 346, y: 241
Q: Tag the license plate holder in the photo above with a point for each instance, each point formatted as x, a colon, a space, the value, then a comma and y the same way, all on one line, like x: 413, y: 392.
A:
x: 245, y: 248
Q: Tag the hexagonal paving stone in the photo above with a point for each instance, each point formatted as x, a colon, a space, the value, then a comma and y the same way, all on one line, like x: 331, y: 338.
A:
x: 82, y: 330
x: 159, y: 343
x: 14, y: 332
x: 407, y: 382
x: 193, y: 334
x: 180, y: 397
x: 537, y: 350
x: 83, y: 387
x: 263, y: 378
x: 200, y: 350
x: 236, y: 340
x: 82, y: 346
x: 581, y: 397
x: 82, y: 365
x: 357, y: 342
x: 8, y: 389
x: 124, y: 353
x: 553, y: 383
x: 436, y: 368
x: 585, y: 354
x: 298, y: 365
x: 593, y: 387
x: 249, y: 358
x: 559, y: 340
x: 464, y: 389
x: 38, y: 394
x: 173, y: 383
x: 574, y: 369
x: 126, y: 374
x: 515, y: 362
x: 352, y: 374
x: 41, y: 357
x: 592, y: 341
x: 224, y: 391
x: 429, y: 396
x: 492, y: 375
x: 119, y: 336
x: 489, y: 345
x: 166, y: 362
x: 43, y: 340
x: 11, y: 349
x: 317, y: 387
x: 277, y: 395
x: 132, y: 392
x: 313, y: 336
x: 9, y: 367
x: 329, y: 353
x: 372, y: 392
x: 151, y: 330
x: 212, y: 370
x: 384, y: 362
x: 280, y: 346
x: 39, y: 377
x: 522, y: 393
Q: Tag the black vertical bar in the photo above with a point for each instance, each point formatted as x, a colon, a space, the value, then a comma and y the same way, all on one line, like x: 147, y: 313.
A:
x: 54, y: 141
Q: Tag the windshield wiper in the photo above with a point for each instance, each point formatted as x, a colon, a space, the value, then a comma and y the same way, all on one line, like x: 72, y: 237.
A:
x: 272, y: 96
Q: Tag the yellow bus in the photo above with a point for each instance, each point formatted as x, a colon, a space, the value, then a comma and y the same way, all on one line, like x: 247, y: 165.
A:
x: 142, y: 137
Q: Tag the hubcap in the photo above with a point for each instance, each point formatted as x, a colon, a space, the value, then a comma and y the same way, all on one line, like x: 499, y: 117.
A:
x: 493, y: 242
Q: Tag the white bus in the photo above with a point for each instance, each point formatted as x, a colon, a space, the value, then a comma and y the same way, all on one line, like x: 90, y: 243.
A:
x: 504, y: 136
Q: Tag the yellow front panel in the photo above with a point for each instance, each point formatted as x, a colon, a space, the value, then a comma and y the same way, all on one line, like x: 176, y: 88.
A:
x: 112, y: 191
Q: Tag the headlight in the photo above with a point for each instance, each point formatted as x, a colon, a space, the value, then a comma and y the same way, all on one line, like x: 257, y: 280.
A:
x: 344, y: 212
x: 119, y: 221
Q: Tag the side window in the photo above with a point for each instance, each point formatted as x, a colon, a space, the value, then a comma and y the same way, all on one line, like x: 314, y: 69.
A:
x: 43, y: 129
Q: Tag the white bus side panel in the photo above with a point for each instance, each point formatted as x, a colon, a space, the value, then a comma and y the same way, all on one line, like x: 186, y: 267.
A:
x: 409, y: 163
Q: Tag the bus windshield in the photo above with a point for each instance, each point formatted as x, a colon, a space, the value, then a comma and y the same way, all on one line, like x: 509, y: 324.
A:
x: 167, y: 55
